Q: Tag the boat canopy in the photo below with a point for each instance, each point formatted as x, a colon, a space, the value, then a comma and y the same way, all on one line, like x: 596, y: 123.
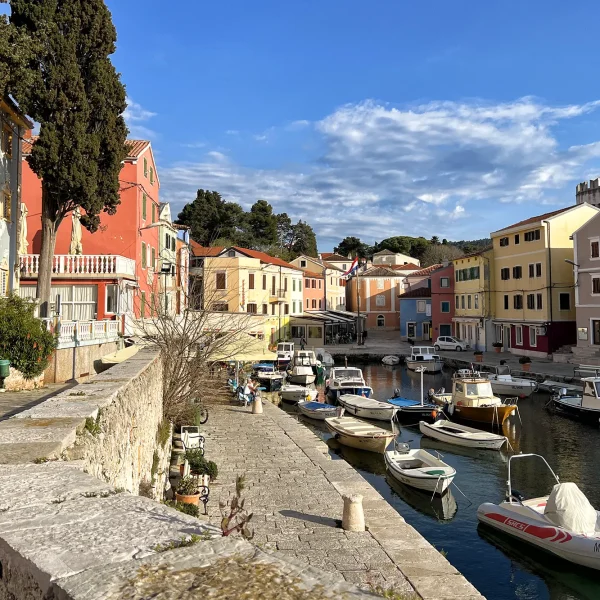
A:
x: 473, y: 388
x: 346, y: 373
x: 591, y: 393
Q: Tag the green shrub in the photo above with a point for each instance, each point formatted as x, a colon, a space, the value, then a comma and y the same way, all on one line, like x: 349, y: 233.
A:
x: 189, y: 509
x: 164, y: 432
x: 24, y: 339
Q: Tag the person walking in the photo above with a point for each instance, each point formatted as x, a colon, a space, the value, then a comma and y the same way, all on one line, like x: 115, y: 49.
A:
x: 302, y: 343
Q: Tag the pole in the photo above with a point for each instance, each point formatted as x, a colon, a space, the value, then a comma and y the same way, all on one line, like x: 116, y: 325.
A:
x: 358, y: 323
x: 421, y: 369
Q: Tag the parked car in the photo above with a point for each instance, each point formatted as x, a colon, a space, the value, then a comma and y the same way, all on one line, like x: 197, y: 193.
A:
x: 448, y: 342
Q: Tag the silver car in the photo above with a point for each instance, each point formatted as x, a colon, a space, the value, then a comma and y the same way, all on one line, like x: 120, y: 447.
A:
x: 449, y: 342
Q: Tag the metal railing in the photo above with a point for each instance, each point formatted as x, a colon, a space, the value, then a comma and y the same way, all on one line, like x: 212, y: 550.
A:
x: 79, y: 264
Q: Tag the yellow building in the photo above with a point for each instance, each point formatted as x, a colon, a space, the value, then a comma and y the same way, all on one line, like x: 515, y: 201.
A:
x: 473, y: 300
x: 334, y: 291
x: 241, y: 281
x: 534, y: 286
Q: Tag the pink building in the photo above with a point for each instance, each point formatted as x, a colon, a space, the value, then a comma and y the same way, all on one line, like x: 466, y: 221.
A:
x: 442, y: 300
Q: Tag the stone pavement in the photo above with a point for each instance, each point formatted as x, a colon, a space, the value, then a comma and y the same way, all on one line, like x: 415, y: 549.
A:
x: 12, y: 403
x: 294, y: 489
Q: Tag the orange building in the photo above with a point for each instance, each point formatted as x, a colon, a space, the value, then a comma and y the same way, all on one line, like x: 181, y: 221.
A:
x: 313, y: 292
x: 114, y: 268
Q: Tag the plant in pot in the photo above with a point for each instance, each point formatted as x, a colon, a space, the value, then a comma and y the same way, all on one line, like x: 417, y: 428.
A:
x: 196, y: 460
x: 478, y: 355
x: 187, y: 491
x: 497, y: 346
x: 525, y: 362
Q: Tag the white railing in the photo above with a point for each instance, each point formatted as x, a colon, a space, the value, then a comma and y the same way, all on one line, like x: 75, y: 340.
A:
x: 79, y: 264
x: 66, y: 333
x: 74, y: 333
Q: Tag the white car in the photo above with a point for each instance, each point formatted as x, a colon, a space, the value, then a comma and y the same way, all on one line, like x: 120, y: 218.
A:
x: 448, y: 342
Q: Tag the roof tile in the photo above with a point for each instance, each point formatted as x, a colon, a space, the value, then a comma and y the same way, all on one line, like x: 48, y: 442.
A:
x: 135, y: 148
x: 422, y: 292
x: 535, y: 219
x: 425, y: 271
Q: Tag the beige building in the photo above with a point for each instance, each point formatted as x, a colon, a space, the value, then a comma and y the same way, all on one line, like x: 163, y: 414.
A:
x: 388, y: 258
x: 334, y: 284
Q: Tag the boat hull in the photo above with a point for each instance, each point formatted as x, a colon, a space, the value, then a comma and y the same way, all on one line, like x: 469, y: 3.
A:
x: 418, y: 480
x: 571, y: 409
x: 369, y: 444
x: 335, y: 393
x: 374, y: 414
x: 490, y: 415
x: 325, y: 411
x: 302, y: 379
x: 431, y: 366
x: 457, y: 440
x: 505, y: 388
x: 574, y: 548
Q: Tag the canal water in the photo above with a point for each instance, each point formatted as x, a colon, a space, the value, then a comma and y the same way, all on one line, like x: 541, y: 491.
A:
x: 499, y: 567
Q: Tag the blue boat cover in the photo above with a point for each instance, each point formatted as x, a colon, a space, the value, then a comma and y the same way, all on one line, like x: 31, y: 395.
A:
x: 316, y: 405
x: 403, y: 402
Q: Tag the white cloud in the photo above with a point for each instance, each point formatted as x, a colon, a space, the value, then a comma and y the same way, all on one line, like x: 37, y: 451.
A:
x: 135, y: 114
x: 450, y: 167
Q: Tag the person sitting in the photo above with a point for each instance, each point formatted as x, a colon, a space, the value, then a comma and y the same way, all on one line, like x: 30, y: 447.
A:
x: 249, y: 391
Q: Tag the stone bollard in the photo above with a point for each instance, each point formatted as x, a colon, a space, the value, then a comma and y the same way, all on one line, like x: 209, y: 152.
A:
x: 353, y: 518
x: 257, y: 406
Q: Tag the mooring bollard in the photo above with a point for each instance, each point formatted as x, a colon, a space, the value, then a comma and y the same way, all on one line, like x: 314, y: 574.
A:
x: 257, y: 406
x: 353, y: 518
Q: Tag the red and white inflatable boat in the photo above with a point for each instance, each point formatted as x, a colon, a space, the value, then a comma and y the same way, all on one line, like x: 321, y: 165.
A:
x: 537, y: 521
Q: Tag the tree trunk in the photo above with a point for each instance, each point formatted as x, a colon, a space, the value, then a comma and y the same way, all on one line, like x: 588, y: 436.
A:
x: 46, y: 256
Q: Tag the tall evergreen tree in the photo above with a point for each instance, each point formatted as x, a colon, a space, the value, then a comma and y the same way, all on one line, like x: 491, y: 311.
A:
x: 78, y: 99
x: 262, y: 224
x: 352, y: 246
x: 305, y: 240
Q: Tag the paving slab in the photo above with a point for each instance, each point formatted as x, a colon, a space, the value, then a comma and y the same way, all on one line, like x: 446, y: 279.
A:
x: 12, y: 403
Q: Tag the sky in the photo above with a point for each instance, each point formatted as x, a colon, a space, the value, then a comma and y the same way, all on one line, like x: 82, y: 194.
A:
x: 370, y: 119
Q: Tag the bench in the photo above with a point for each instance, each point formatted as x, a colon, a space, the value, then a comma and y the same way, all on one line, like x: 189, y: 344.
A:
x: 586, y: 371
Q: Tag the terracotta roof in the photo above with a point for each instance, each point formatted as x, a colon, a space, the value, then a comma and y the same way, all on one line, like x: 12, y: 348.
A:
x: 334, y: 267
x: 198, y: 250
x: 135, y: 148
x: 380, y: 271
x: 471, y: 254
x: 265, y: 258
x: 535, y: 219
x: 384, y: 252
x: 425, y: 271
x: 406, y: 267
x: 422, y: 292
x: 313, y: 274
x: 178, y: 226
x: 27, y: 144
x: 333, y: 256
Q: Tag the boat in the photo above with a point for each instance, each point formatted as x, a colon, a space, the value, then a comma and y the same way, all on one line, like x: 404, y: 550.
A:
x: 346, y: 380
x: 424, y: 356
x: 367, y: 408
x: 405, y: 408
x: 285, y: 353
x: 358, y: 434
x: 324, y: 357
x: 297, y: 393
x: 268, y: 376
x: 584, y: 406
x: 317, y: 410
x: 552, y: 387
x: 563, y: 523
x: 390, y: 360
x: 504, y: 384
x: 301, y: 370
x: 419, y: 469
x: 119, y: 356
x: 461, y: 435
x: 472, y: 399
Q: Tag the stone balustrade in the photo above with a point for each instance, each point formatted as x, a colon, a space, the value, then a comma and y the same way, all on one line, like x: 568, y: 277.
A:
x: 89, y: 265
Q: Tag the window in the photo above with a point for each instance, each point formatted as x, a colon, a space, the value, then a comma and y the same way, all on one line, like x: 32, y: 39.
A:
x: 143, y: 305
x: 299, y: 285
x: 538, y: 269
x: 251, y: 281
x: 314, y: 304
x: 476, y: 300
x: 530, y: 301
x: 303, y: 264
x: 518, y: 301
x: 506, y: 302
x: 153, y: 260
x: 273, y: 285
x: 532, y: 337
x: 298, y: 331
x: 517, y: 272
x: 112, y: 299
x: 320, y: 304
x: 285, y: 284
x: 538, y: 301
x: 444, y: 282
x: 307, y: 303
x: 380, y: 321
x: 516, y: 239
x: 306, y: 283
x: 456, y: 304
x: 293, y: 285
x: 519, y: 335
x: 380, y: 300
x: 595, y: 249
x: 504, y: 241
x: 144, y: 199
x: 265, y: 309
x: 469, y: 301
x: 595, y: 285
x: 445, y: 307
x: 531, y: 270
x: 421, y: 306
x: 221, y: 280
x: 220, y: 307
x: 564, y: 301
x: 505, y: 274
x: 314, y: 284
x: 315, y: 332
x: 145, y: 167
x: 252, y: 308
x: 264, y: 282
x: 462, y: 301
x: 531, y: 236
x: 144, y: 257
x: 151, y: 176
x: 380, y: 285
x: 154, y: 219
x: 231, y: 254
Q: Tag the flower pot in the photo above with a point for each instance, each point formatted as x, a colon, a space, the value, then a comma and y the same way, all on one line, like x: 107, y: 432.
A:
x: 497, y: 349
x: 479, y: 357
x: 188, y: 499
x: 526, y: 366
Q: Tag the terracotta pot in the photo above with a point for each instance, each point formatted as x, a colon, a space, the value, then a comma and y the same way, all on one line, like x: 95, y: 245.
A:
x: 185, y: 499
x: 498, y: 350
x: 526, y: 366
x: 479, y: 357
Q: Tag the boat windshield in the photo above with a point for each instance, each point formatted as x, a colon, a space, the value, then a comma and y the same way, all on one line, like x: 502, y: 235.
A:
x: 347, y: 373
x: 303, y: 361
x: 479, y: 389
x: 285, y: 347
x: 592, y: 388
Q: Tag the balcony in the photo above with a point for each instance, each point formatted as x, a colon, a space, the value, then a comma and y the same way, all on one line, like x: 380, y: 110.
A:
x: 277, y: 295
x: 96, y: 266
x: 85, y: 333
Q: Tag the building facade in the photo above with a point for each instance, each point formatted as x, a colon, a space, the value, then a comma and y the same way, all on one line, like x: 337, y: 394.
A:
x: 534, y: 285
x: 314, y: 291
x: 442, y: 301
x: 388, y: 258
x: 415, y: 314
x: 473, y: 299
x: 588, y: 192
x: 334, y: 285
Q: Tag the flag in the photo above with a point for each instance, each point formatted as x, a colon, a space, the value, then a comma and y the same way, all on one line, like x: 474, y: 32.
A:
x: 353, y: 268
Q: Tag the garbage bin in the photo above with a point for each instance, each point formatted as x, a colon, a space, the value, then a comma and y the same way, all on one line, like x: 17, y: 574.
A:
x: 4, y: 368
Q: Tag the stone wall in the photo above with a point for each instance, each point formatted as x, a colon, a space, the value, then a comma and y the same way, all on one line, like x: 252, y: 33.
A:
x: 78, y: 363
x: 16, y: 382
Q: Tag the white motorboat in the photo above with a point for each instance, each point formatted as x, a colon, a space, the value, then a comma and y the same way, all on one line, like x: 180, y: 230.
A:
x: 302, y: 369
x: 563, y: 523
x: 585, y: 406
x: 268, y: 376
x: 346, y: 380
x: 390, y: 360
x: 424, y: 356
x: 419, y: 469
x: 324, y: 357
x: 461, y: 435
x: 317, y: 410
x: 285, y: 353
x: 367, y: 408
x: 298, y: 393
x: 358, y: 434
x: 504, y: 384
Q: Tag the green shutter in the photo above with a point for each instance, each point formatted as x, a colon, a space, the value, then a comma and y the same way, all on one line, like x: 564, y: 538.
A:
x: 143, y: 309
x: 144, y: 260
x: 143, y: 206
x: 153, y: 213
x: 151, y: 175
x: 145, y: 167
x: 153, y: 265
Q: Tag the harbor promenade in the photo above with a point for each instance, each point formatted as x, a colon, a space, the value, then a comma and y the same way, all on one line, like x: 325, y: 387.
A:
x: 295, y: 489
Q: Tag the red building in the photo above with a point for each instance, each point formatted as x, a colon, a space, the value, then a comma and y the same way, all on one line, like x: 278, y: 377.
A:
x: 442, y: 300
x: 313, y: 292
x: 109, y: 273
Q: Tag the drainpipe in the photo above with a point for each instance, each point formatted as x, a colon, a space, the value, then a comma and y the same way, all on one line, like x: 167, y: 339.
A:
x: 550, y: 332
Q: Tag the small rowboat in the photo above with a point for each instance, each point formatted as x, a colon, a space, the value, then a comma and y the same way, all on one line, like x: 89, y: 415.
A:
x: 317, y: 410
x: 406, y: 407
x: 297, y: 393
x: 358, y: 434
x: 390, y: 360
x: 419, y: 469
x: 461, y: 435
x: 367, y: 408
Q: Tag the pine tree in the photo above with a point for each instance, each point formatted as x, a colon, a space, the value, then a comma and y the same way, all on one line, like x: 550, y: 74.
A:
x: 78, y: 99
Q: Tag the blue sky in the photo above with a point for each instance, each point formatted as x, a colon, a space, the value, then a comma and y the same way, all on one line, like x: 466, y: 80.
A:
x: 368, y: 118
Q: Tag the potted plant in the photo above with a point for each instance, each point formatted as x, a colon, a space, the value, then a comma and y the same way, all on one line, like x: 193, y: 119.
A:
x: 478, y: 355
x: 187, y: 491
x: 525, y: 362
x: 497, y: 346
x: 196, y: 460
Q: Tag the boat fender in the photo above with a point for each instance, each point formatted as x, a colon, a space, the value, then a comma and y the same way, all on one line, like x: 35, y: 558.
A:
x: 336, y: 436
x: 434, y: 414
x: 450, y: 408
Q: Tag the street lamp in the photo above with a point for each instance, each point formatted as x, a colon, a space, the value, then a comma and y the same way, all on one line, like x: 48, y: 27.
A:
x: 571, y: 263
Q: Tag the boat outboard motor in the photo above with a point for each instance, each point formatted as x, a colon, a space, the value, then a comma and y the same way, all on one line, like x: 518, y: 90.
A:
x: 515, y: 495
x: 401, y: 447
x: 397, y: 393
